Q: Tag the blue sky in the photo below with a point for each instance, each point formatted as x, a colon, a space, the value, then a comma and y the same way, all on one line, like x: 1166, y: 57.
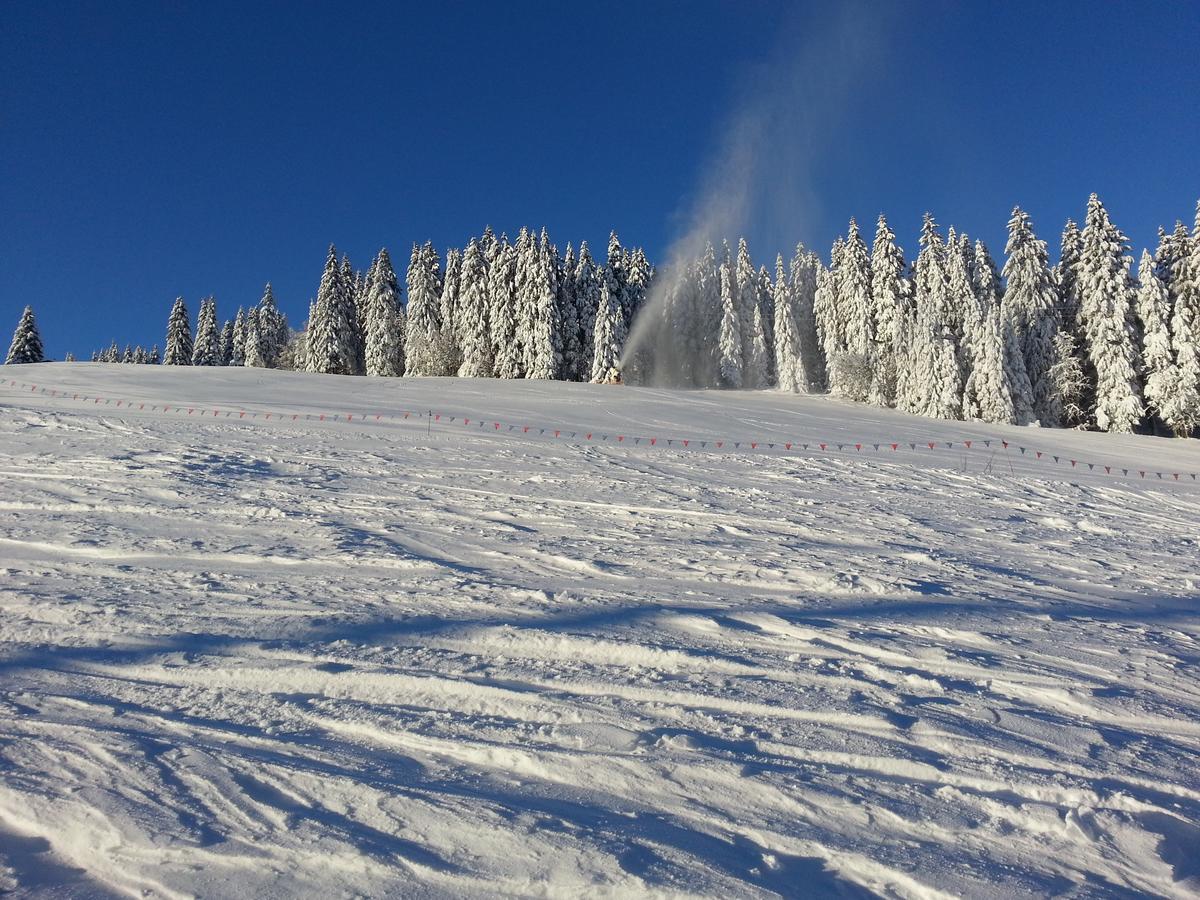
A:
x: 168, y: 148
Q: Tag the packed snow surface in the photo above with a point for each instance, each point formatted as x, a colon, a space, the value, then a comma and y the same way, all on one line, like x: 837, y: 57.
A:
x: 251, y: 656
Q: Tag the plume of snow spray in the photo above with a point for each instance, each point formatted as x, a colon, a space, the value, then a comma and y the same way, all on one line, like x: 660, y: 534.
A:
x: 761, y: 176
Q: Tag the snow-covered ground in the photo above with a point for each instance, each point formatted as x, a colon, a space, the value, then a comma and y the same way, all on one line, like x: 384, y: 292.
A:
x: 251, y: 656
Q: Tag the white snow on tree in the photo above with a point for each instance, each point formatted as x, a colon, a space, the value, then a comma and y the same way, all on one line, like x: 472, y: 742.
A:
x: 271, y: 331
x: 384, y: 320
x: 502, y: 307
x: 543, y: 339
x: 568, y: 306
x: 789, y: 365
x: 1182, y: 412
x: 450, y: 313
x: 1158, y: 364
x: 474, y: 333
x: 803, y: 271
x: 889, y: 300
x: 1107, y: 296
x: 26, y: 345
x: 423, y: 342
x: 730, y: 363
x: 1030, y: 308
x: 331, y: 346
x: 825, y: 311
x: 237, y: 356
x: 348, y: 289
x: 225, y: 344
x: 179, y: 336
x: 587, y: 300
x: 204, y: 348
x: 609, y: 337
x: 988, y: 394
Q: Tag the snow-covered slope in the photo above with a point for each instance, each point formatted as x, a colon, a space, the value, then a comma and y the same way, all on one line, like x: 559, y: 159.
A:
x: 252, y: 656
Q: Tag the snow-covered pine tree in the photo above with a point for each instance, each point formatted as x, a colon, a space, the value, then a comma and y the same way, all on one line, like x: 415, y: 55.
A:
x: 347, y: 317
x: 789, y: 364
x: 969, y: 322
x: 1182, y: 413
x: 542, y: 338
x: 854, y: 300
x: 766, y: 307
x: 587, y: 300
x: 889, y: 298
x: 272, y: 329
x: 225, y: 344
x: 988, y: 386
x: 70, y: 357
x: 1107, y: 296
x: 423, y: 331
x: 1067, y: 272
x: 616, y: 275
x: 254, y: 341
x: 140, y: 356
x: 331, y: 326
x: 204, y: 348
x: 114, y: 353
x: 450, y: 313
x: 26, y: 345
x: 155, y: 358
x: 730, y: 364
x: 1030, y: 309
x: 637, y: 284
x: 609, y: 337
x: 745, y: 280
x: 502, y: 308
x: 568, y: 305
x: 179, y: 336
x: 237, y: 356
x: 127, y: 355
x: 474, y: 332
x: 825, y: 300
x: 933, y: 380
x: 384, y: 319
x: 1158, y: 364
x: 803, y: 272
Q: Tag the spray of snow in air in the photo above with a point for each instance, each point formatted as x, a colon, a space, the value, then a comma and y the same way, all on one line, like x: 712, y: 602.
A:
x: 760, y: 180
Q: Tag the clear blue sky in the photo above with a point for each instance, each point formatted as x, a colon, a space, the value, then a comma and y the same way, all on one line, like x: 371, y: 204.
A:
x: 168, y: 148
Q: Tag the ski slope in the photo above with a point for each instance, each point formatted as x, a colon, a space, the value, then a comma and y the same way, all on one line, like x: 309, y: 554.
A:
x: 245, y: 656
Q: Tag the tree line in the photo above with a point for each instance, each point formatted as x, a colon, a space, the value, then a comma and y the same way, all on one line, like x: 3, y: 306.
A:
x: 1084, y: 343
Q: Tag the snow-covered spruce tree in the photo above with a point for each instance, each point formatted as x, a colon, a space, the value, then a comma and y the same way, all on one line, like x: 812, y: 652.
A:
x: 745, y: 280
x: 888, y: 301
x: 225, y: 344
x: 789, y: 364
x: 272, y: 329
x: 127, y: 355
x: 933, y: 380
x: 572, y: 345
x: 828, y: 322
x: 803, y: 273
x: 348, y: 287
x: 502, y: 307
x: 1067, y: 272
x: 988, y: 385
x: 179, y: 336
x: 70, y: 357
x: 703, y: 322
x: 543, y: 340
x: 331, y: 327
x: 1158, y: 364
x: 155, y: 358
x: 450, y: 314
x: 637, y: 283
x: 26, y: 345
x: 609, y: 337
x: 1030, y: 309
x: 766, y: 308
x: 237, y: 356
x: 730, y: 363
x: 114, y: 353
x: 854, y: 301
x: 474, y: 332
x: 616, y: 275
x: 1182, y: 412
x: 587, y: 301
x: 204, y: 348
x: 254, y: 341
x: 1107, y: 296
x: 756, y: 365
x: 969, y: 318
x: 423, y: 331
x: 384, y: 320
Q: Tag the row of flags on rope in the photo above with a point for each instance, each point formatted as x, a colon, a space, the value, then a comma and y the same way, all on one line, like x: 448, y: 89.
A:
x: 590, y: 436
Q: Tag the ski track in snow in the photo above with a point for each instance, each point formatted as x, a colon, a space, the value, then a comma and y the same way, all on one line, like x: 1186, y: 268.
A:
x: 258, y: 659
